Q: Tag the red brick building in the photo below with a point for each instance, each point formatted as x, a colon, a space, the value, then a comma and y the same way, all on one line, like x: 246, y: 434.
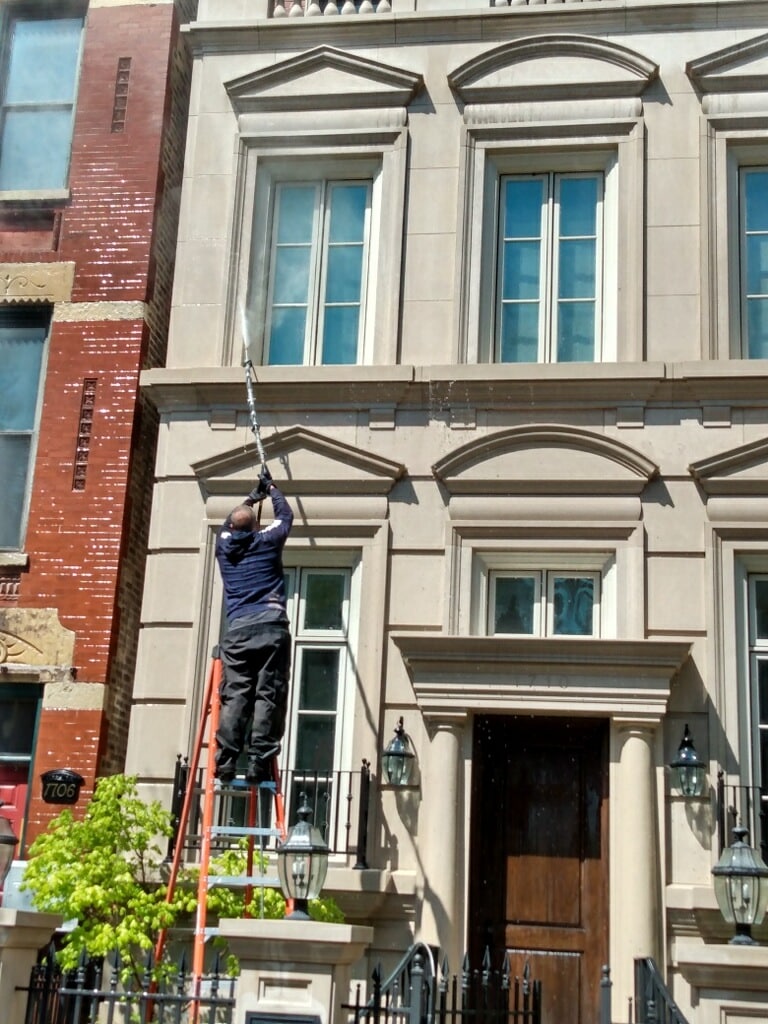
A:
x: 93, y: 104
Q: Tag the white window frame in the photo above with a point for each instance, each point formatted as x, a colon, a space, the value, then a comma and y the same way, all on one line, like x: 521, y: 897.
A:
x: 742, y: 281
x: 545, y: 564
x: 613, y: 147
x: 314, y: 340
x: 543, y: 600
x: 549, y: 266
x: 13, y: 14
x: 758, y: 653
x: 42, y: 321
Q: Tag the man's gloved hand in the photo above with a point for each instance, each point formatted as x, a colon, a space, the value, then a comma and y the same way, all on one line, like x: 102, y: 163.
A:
x: 261, y: 489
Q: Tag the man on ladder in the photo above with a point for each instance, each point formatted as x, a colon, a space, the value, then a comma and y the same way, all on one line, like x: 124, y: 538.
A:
x: 256, y: 649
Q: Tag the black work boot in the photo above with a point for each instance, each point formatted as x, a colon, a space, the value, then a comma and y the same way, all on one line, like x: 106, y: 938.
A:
x: 258, y: 771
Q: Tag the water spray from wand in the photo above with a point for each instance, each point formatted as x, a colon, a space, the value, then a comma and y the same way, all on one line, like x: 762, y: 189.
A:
x: 248, y: 364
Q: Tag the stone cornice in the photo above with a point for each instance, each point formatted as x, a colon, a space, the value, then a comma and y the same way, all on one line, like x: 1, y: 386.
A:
x: 630, y: 678
x: 481, y: 386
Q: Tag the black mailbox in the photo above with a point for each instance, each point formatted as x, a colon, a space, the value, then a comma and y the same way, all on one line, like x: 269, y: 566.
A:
x: 61, y: 786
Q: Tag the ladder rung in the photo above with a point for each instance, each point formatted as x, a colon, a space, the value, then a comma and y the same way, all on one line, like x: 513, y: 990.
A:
x: 243, y: 830
x: 243, y: 880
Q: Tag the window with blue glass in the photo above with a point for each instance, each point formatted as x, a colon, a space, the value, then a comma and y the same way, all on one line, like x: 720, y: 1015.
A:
x: 41, y: 58
x: 544, y: 603
x: 318, y: 272
x: 22, y: 345
x: 549, y: 268
x: 754, y: 262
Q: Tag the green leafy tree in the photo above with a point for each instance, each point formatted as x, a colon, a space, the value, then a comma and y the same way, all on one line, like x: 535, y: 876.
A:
x: 103, y: 872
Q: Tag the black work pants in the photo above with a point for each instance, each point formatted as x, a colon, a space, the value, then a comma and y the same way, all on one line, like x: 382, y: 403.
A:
x: 256, y: 659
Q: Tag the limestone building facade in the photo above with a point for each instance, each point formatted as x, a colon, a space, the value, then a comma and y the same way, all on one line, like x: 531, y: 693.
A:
x: 502, y: 272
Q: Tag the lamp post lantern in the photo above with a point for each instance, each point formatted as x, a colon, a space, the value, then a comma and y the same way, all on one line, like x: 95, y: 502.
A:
x: 302, y: 863
x: 398, y: 759
x: 741, y: 887
x: 690, y: 769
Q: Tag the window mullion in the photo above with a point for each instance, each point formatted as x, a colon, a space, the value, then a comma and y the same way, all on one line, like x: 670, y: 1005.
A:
x: 550, y: 229
x: 313, y: 339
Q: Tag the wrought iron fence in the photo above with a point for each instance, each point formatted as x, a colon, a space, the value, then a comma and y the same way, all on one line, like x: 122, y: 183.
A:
x: 652, y: 1004
x: 417, y: 993
x: 94, y: 993
x: 742, y: 805
x: 339, y: 801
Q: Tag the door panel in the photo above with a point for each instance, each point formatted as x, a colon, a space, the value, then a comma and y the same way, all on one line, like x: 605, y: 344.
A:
x: 538, y: 884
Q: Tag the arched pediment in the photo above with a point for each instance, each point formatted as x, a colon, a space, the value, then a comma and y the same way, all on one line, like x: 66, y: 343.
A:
x: 742, y: 67
x: 308, y: 464
x: 553, y: 67
x: 740, y: 471
x: 549, y: 459
x: 324, y: 78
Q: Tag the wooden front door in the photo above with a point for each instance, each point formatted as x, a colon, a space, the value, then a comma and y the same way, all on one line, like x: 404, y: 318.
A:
x: 538, y: 858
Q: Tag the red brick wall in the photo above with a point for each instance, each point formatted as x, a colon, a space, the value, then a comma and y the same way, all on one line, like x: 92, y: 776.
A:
x: 86, y: 547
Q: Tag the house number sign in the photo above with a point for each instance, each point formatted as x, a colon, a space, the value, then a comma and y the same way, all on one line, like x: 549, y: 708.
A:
x: 61, y: 786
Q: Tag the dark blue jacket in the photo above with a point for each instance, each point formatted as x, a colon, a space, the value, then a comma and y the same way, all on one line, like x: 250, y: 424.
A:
x: 251, y: 565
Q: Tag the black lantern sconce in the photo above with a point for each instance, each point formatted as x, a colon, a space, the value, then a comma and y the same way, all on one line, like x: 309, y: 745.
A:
x: 397, y: 759
x: 741, y: 887
x: 8, y: 843
x: 691, y: 771
x: 302, y: 863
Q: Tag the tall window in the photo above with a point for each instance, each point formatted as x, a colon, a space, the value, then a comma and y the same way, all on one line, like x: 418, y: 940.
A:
x: 549, y: 268
x: 758, y: 642
x: 754, y: 261
x: 40, y: 64
x: 22, y: 343
x: 544, y: 603
x: 318, y: 270
x: 318, y: 608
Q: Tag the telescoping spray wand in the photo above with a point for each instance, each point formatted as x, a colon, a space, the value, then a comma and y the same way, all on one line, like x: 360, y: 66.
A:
x: 248, y: 364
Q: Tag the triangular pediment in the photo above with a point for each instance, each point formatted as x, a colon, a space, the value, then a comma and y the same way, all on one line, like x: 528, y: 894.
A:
x: 329, y: 79
x: 742, y: 470
x: 305, y: 463
x: 545, y: 460
x: 742, y: 67
x: 553, y: 67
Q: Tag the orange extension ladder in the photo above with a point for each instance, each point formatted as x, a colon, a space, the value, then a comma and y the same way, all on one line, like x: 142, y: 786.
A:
x: 209, y: 721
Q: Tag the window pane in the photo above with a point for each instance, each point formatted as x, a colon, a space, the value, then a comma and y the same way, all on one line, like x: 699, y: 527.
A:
x: 348, y: 206
x: 315, y: 738
x: 513, y: 612
x: 756, y: 189
x: 521, y: 208
x: 340, y: 335
x: 757, y: 264
x: 296, y: 214
x: 286, y: 337
x: 519, y: 332
x: 344, y: 273
x: 577, y: 269
x: 578, y: 206
x: 576, y: 332
x: 319, y: 679
x: 323, y: 601
x: 17, y: 726
x: 573, y: 604
x: 34, y: 153
x: 43, y: 61
x: 761, y: 608
x: 291, y: 275
x: 757, y: 328
x: 521, y: 270
x: 21, y: 354
x: 14, y: 466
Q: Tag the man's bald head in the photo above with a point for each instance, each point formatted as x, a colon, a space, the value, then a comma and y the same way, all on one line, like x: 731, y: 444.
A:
x: 243, y: 518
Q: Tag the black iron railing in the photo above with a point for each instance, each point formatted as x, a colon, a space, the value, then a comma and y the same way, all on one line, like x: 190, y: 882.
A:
x: 339, y: 802
x: 416, y: 992
x: 652, y: 1004
x: 94, y: 992
x: 742, y: 805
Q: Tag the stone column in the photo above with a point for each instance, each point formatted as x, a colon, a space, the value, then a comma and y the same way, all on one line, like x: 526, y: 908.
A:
x: 22, y: 934
x: 635, y: 868
x: 292, y: 967
x: 439, y: 836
